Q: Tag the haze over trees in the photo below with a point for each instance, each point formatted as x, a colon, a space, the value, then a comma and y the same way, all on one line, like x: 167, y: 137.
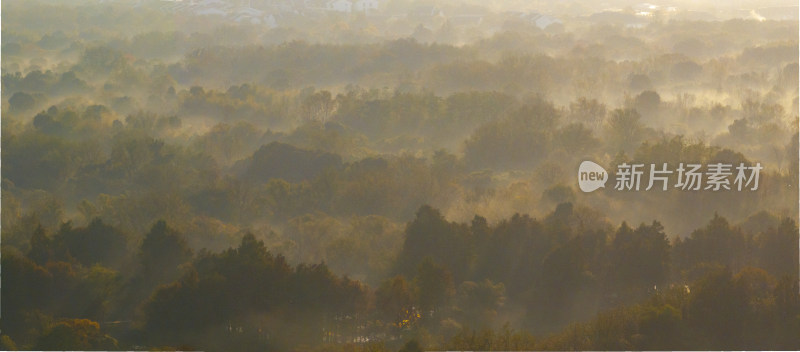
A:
x: 402, y: 179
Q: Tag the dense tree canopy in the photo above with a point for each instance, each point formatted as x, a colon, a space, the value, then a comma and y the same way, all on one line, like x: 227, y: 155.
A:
x: 278, y: 176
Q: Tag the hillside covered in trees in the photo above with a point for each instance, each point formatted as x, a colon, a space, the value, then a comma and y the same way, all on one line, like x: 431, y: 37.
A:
x: 393, y: 180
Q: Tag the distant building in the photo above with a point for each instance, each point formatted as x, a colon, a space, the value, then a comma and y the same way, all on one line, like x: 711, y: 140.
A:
x: 542, y: 21
x: 253, y: 16
x: 645, y: 9
x: 340, y: 5
x: 265, y: 20
x: 465, y: 20
x: 779, y: 13
x: 465, y: 16
x: 545, y: 21
x: 210, y: 8
x: 621, y: 18
x: 212, y: 3
x: 211, y: 11
x: 366, y: 5
x: 426, y: 11
x: 248, y: 11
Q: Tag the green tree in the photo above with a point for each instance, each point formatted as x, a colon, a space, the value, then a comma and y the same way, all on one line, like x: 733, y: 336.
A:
x: 639, y: 260
x: 97, y: 243
x: 661, y: 327
x: 41, y: 249
x: 434, y: 286
x: 624, y: 131
x: 589, y: 112
x: 7, y: 344
x: 717, y: 242
x: 520, y: 139
x: 716, y: 312
x: 478, y: 302
x: 430, y: 234
x: 647, y: 102
x: 776, y: 249
x: 162, y: 251
x: 76, y: 334
x: 26, y: 287
x: 395, y: 301
x: 21, y: 102
x: 411, y: 346
x: 576, y: 139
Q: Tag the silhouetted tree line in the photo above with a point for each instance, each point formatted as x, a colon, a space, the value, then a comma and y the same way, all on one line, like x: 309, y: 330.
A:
x: 93, y: 287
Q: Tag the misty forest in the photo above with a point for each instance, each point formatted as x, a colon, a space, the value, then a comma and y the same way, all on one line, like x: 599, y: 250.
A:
x: 395, y: 175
